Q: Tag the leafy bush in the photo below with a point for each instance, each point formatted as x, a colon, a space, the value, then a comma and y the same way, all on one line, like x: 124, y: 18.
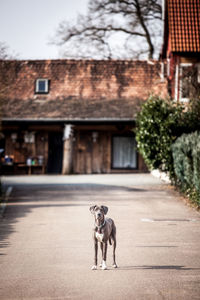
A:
x: 186, y: 155
x: 164, y: 138
x: 158, y: 125
x: 192, y: 116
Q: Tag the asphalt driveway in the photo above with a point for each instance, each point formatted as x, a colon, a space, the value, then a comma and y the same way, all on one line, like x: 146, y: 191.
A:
x: 46, y: 249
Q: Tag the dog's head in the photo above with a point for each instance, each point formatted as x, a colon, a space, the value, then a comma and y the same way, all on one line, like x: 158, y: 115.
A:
x: 99, y: 212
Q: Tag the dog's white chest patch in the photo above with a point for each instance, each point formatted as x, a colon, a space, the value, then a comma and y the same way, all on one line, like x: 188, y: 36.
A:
x: 99, y: 237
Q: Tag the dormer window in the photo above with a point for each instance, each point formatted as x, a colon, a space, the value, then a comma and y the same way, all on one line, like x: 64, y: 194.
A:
x: 42, y: 86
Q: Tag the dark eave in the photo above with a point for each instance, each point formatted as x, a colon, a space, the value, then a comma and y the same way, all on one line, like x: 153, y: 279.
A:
x: 49, y: 121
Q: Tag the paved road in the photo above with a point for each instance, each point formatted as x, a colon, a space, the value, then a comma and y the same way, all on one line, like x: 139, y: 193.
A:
x: 46, y: 249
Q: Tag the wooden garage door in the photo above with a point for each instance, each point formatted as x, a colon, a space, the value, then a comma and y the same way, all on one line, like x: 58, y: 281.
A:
x: 91, y: 155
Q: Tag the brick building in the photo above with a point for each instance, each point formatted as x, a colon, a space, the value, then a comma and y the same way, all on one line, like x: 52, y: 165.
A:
x: 181, y: 48
x: 71, y: 116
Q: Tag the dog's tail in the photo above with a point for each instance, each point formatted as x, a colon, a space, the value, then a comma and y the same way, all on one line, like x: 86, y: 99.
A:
x: 110, y: 241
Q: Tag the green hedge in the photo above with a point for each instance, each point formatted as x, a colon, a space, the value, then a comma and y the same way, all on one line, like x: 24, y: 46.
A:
x: 164, y: 139
x: 186, y: 156
x: 157, y: 127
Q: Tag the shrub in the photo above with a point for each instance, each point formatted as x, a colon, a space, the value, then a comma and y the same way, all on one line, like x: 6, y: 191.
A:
x: 157, y: 126
x: 186, y: 155
x: 162, y: 140
x: 192, y: 116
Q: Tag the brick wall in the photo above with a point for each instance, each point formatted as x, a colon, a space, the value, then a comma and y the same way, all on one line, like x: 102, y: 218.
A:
x: 84, y: 79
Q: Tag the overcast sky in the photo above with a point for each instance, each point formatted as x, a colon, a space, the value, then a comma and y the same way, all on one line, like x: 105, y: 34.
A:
x: 27, y: 25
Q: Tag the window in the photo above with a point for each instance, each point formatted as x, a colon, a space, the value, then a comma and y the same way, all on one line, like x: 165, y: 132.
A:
x: 124, y: 154
x: 189, y: 85
x: 42, y: 86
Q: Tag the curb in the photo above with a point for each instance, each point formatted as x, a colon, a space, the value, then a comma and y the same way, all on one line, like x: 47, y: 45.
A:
x: 4, y: 203
x: 161, y: 175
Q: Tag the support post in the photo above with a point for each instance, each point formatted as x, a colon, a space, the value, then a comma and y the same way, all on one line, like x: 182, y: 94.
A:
x: 67, y: 149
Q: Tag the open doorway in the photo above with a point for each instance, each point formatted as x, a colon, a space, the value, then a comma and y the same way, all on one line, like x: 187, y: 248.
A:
x: 55, y: 157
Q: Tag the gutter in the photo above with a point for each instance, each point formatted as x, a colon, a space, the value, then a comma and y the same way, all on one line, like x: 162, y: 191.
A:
x: 53, y: 120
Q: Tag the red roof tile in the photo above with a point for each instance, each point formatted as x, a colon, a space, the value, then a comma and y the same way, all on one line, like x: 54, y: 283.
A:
x: 184, y: 25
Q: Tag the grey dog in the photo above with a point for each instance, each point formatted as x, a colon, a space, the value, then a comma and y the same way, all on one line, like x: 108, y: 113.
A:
x: 104, y: 231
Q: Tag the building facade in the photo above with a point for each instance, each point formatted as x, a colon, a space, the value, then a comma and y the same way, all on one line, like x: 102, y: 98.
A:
x: 181, y: 48
x: 74, y: 116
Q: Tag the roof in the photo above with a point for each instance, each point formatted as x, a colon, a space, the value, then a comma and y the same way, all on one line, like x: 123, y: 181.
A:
x: 71, y: 109
x: 79, y: 89
x: 184, y: 25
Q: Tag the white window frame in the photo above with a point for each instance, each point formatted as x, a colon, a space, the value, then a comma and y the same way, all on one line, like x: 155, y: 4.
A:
x: 184, y: 100
x: 168, y: 67
x: 198, y: 74
x: 46, y: 82
x: 176, y: 83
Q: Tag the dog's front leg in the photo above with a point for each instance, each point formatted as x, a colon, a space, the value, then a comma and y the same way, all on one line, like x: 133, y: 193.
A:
x: 94, y: 267
x: 104, y: 254
x: 101, y: 244
x: 114, y: 247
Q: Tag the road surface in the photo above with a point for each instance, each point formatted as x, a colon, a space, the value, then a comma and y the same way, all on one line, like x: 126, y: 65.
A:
x: 46, y: 249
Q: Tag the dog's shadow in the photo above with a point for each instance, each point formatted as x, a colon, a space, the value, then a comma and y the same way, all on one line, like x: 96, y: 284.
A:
x: 152, y: 267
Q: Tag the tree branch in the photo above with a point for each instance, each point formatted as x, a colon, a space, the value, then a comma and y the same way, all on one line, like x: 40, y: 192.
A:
x: 134, y: 18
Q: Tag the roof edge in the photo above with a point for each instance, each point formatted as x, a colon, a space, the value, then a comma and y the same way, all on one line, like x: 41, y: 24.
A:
x: 78, y: 60
x: 67, y: 120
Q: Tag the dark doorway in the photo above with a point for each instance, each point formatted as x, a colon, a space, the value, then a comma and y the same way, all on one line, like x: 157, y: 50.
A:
x: 55, y: 153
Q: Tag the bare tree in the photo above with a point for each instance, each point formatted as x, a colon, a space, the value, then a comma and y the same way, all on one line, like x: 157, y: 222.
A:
x: 6, y: 76
x: 4, y: 51
x: 113, y: 29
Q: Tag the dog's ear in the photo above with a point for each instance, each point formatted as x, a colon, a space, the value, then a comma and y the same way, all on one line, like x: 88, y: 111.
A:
x: 92, y: 208
x: 105, y: 209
